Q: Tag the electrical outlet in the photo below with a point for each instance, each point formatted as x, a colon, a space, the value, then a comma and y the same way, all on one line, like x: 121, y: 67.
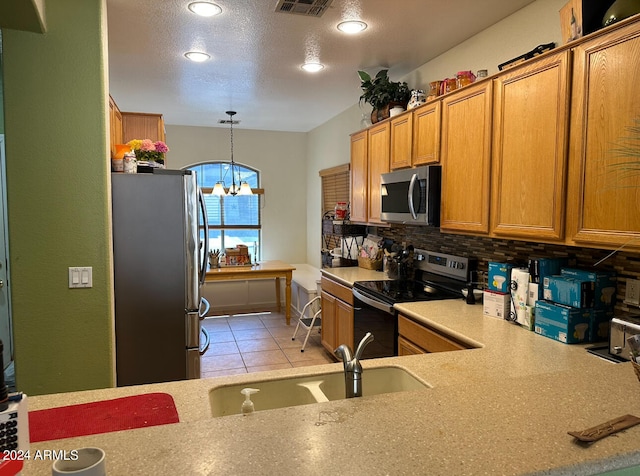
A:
x: 632, y: 294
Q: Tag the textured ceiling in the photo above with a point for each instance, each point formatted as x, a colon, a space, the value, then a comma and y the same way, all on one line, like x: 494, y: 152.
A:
x: 256, y: 55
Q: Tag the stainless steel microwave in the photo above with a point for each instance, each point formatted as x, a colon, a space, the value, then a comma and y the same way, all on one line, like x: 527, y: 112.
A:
x: 411, y: 196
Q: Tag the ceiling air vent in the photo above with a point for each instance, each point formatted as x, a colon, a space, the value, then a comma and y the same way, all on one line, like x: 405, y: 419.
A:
x: 311, y: 8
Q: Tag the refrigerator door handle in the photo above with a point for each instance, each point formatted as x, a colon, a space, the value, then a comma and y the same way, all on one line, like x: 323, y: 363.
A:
x: 204, y: 345
x: 204, y: 302
x: 205, y: 222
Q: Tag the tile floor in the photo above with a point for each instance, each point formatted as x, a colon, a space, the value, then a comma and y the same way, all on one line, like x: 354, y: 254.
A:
x: 245, y: 343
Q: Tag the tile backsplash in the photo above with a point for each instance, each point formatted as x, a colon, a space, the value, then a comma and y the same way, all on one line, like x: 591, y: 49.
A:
x: 625, y: 264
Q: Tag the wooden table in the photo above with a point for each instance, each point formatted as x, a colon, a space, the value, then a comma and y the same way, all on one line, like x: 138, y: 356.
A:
x: 262, y: 270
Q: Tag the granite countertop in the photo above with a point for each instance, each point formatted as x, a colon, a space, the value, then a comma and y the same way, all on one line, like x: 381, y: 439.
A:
x: 503, y: 407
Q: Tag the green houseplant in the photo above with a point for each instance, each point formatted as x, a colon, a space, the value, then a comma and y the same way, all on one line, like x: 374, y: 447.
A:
x: 382, y: 93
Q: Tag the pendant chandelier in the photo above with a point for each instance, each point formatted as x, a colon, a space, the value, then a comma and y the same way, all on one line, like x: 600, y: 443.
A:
x: 236, y: 188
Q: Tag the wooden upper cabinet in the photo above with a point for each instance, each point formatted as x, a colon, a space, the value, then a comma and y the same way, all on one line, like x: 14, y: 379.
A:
x: 136, y: 125
x: 426, y: 134
x: 359, y: 177
x: 604, y: 196
x: 466, y: 159
x: 401, y: 139
x: 115, y: 125
x: 529, y: 156
x: 378, y: 164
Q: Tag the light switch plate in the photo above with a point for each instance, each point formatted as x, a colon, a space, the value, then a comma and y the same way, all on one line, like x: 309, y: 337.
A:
x: 80, y: 277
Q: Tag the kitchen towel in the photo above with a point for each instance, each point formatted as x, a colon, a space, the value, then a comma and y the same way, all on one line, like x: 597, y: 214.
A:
x: 149, y: 409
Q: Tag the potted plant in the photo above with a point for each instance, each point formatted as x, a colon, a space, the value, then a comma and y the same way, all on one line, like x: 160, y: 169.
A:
x: 382, y: 93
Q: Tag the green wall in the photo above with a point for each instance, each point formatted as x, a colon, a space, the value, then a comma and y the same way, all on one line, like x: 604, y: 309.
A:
x: 58, y: 186
x: 1, y: 91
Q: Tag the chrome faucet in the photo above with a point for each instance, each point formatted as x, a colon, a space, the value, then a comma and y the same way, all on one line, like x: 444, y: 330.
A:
x: 352, y: 367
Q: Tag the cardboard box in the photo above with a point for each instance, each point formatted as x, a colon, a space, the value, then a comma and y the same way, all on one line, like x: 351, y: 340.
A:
x: 600, y: 324
x: 546, y: 267
x: 533, y: 294
x: 530, y: 317
x: 587, y: 17
x: 571, y: 21
x: 604, y: 293
x: 562, y: 323
x: 499, y: 277
x: 568, y: 291
x: 496, y: 304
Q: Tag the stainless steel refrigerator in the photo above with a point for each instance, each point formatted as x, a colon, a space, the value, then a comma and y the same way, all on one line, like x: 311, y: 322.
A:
x: 159, y: 266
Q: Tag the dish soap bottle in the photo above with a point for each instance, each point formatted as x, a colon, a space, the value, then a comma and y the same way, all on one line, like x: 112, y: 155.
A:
x: 247, y: 406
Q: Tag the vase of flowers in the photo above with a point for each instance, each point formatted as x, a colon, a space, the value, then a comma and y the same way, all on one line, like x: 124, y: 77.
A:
x: 148, y: 151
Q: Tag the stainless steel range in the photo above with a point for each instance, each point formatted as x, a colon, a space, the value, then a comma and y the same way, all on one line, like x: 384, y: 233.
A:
x: 437, y: 276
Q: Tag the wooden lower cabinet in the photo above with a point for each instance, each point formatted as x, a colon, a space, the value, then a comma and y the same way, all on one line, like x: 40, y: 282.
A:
x: 337, y: 315
x: 415, y: 338
x: 406, y: 347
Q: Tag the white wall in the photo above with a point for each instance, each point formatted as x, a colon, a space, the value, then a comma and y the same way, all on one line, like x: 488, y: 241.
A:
x: 281, y: 159
x: 537, y: 23
x: 328, y: 144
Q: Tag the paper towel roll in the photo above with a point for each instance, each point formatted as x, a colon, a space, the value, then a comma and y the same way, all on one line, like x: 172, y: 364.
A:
x: 519, y: 292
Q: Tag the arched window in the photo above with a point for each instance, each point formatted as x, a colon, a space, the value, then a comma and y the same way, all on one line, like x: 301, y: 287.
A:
x: 233, y: 219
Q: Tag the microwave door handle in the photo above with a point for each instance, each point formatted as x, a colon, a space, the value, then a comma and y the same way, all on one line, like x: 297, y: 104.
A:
x: 412, y: 184
x: 205, y: 222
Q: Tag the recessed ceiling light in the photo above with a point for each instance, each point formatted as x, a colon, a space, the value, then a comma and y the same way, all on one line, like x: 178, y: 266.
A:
x: 352, y: 26
x: 205, y: 9
x: 312, y: 67
x: 197, y: 56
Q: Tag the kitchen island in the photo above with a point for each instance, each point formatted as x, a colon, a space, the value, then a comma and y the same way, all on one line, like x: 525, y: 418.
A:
x: 502, y: 408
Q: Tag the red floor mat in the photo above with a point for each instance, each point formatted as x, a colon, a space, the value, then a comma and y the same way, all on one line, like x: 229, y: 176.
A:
x: 125, y: 413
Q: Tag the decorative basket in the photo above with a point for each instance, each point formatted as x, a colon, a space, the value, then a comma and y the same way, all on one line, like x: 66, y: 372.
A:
x: 368, y: 263
x: 636, y: 369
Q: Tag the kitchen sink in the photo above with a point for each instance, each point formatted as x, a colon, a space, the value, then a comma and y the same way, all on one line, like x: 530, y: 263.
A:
x: 374, y: 382
x: 293, y: 391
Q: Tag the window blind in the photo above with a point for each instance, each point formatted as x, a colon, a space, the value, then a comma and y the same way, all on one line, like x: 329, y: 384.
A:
x: 335, y: 186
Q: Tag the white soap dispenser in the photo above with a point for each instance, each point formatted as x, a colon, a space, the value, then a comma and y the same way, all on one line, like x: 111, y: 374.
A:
x: 247, y: 406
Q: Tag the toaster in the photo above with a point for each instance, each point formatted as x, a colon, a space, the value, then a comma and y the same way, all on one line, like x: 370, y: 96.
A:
x: 622, y: 328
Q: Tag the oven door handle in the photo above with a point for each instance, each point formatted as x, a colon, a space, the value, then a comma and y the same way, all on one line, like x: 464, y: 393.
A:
x: 372, y: 302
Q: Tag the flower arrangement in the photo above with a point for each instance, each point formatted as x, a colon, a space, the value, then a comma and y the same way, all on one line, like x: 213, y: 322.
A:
x: 146, y: 149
